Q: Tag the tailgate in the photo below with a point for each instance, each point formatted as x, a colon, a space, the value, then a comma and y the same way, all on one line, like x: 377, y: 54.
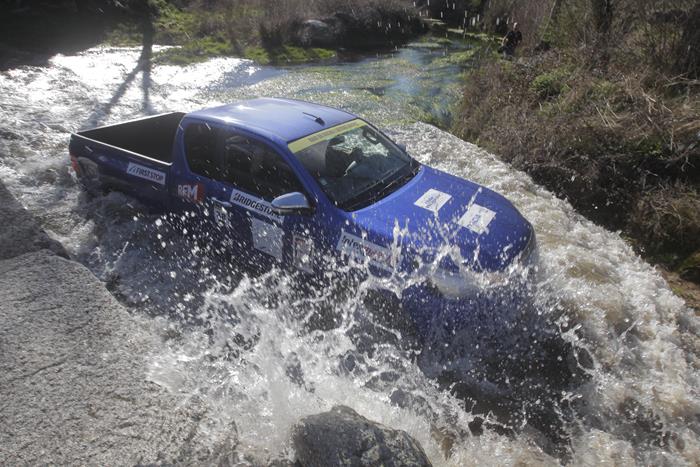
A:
x: 112, y: 168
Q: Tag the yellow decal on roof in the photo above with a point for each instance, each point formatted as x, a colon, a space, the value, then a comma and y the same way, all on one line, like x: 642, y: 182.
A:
x: 307, y: 141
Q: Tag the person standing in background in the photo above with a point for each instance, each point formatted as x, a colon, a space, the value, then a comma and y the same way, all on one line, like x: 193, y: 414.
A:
x: 511, y: 41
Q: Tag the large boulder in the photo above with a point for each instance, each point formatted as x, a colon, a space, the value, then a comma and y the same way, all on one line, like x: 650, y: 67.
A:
x: 342, y: 437
x: 359, y: 29
x: 317, y: 33
x: 73, y: 366
x: 73, y: 382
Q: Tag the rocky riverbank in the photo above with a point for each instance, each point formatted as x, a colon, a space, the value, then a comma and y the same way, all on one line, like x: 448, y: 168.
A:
x: 266, y: 31
x: 73, y: 378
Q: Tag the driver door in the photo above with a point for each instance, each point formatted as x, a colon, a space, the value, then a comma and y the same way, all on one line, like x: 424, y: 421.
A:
x: 253, y: 174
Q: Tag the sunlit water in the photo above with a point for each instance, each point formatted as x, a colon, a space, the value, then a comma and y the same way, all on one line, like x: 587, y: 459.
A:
x: 600, y: 366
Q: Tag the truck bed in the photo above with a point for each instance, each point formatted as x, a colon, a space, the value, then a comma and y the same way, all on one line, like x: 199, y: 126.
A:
x: 151, y: 136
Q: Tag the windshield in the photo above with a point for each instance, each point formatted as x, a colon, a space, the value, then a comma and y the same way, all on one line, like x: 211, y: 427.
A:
x: 354, y: 163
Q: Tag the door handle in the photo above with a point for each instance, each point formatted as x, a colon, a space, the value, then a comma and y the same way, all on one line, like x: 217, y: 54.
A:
x: 222, y: 203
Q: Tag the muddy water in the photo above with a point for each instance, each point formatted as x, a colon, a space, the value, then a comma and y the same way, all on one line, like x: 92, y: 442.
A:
x: 599, y: 366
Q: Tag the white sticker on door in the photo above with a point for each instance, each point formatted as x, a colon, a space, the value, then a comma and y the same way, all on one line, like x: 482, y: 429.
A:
x: 266, y: 237
x: 477, y: 218
x: 433, y: 200
x: 147, y: 173
x: 303, y: 251
x: 253, y: 203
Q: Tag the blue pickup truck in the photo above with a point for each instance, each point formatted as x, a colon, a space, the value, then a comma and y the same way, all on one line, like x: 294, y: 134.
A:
x: 308, y: 187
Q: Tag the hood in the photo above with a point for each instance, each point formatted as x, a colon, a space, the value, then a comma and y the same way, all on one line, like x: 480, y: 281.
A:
x: 436, y: 210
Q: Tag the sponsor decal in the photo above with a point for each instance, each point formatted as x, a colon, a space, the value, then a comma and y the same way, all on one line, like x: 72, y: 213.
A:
x: 140, y: 171
x: 193, y: 193
x: 433, y: 200
x: 323, y: 135
x: 303, y: 249
x: 253, y: 203
x: 361, y: 250
x: 266, y: 237
x: 477, y: 218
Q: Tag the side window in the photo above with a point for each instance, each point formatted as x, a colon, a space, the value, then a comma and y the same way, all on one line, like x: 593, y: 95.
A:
x: 200, y: 149
x: 256, y: 168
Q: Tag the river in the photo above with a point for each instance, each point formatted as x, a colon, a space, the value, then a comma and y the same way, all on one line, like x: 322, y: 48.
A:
x: 599, y: 367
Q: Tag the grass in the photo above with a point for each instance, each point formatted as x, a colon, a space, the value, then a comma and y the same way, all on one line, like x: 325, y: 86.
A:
x: 288, y: 54
x: 206, y: 48
x: 194, y: 51
x: 462, y: 58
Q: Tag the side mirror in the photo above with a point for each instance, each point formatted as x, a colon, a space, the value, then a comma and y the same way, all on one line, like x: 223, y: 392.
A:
x: 291, y: 203
x: 402, y: 147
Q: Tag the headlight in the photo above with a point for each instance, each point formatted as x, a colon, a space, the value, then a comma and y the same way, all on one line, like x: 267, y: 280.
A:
x: 454, y: 284
x: 455, y: 281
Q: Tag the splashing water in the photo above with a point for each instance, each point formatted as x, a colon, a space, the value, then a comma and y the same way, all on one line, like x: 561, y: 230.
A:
x: 600, y: 364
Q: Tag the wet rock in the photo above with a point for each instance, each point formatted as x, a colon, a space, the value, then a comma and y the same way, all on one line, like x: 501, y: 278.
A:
x: 73, y: 376
x: 20, y: 233
x: 342, y: 437
x: 358, y: 29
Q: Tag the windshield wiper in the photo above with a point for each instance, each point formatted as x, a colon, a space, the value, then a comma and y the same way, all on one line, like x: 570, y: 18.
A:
x: 363, y: 199
x: 401, y: 178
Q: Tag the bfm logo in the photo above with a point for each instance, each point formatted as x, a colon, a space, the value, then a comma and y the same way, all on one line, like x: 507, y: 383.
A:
x: 194, y: 193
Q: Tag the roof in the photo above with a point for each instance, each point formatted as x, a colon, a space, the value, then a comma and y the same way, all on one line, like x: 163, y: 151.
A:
x: 287, y: 119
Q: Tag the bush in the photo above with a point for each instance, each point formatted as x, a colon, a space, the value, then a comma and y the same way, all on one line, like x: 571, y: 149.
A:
x: 549, y: 84
x: 622, y: 146
x: 667, y: 219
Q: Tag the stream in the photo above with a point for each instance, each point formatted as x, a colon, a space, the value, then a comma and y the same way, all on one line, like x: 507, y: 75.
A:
x: 600, y: 366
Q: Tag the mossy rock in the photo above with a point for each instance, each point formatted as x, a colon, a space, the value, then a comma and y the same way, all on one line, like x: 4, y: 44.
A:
x: 288, y: 54
x: 458, y: 58
x: 690, y: 268
x: 425, y: 45
x: 483, y: 37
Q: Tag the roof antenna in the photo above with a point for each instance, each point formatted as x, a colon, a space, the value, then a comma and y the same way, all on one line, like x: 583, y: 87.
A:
x: 318, y: 120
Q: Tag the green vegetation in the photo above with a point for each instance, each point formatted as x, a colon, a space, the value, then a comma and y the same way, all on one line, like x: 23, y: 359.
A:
x: 288, y: 54
x: 550, y: 84
x: 602, y: 106
x: 267, y: 31
x: 194, y: 51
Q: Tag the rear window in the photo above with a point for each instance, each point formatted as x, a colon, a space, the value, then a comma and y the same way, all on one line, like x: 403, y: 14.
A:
x: 200, y: 149
x: 255, y: 167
